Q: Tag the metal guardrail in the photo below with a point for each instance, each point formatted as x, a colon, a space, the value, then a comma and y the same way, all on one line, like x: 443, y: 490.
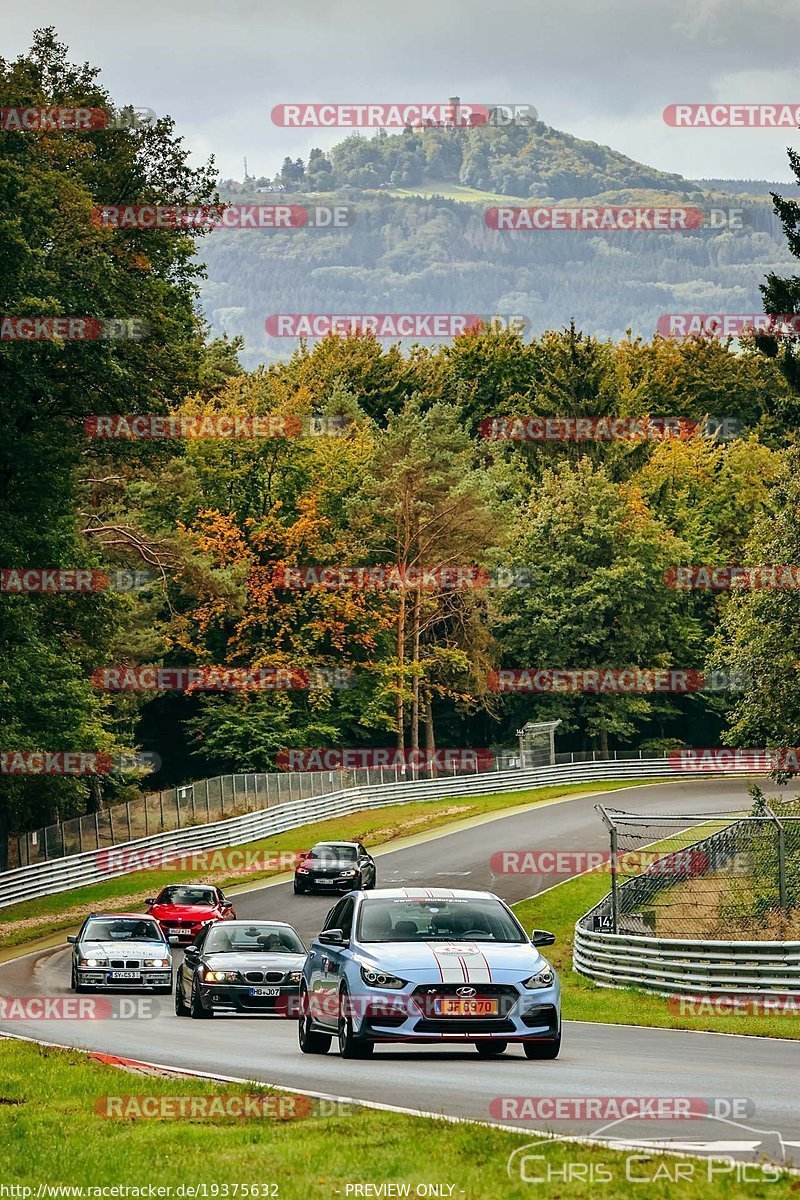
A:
x: 208, y: 800
x: 674, y: 966
x: 62, y: 874
x: 677, y: 965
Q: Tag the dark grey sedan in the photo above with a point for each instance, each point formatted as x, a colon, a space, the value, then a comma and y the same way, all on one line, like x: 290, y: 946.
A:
x: 241, y: 967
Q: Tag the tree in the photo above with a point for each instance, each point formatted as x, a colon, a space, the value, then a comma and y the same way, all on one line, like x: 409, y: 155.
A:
x: 426, y: 502
x: 597, y: 556
x: 58, y: 260
x: 759, y: 633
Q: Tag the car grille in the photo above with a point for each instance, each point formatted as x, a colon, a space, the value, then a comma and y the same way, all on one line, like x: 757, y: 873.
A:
x: 129, y: 963
x: 264, y: 976
x: 426, y: 994
x: 464, y: 1025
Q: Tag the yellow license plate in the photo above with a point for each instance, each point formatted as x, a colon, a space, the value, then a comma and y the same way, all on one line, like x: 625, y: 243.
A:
x: 478, y: 1007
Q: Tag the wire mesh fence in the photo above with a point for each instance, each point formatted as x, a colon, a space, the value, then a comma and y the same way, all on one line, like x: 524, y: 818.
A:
x: 717, y: 876
x: 223, y: 796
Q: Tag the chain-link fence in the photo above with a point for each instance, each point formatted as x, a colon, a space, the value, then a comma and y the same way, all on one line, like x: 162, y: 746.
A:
x: 718, y: 876
x: 210, y: 800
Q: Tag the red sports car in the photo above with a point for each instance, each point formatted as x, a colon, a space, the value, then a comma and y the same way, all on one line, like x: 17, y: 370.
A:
x: 182, y: 909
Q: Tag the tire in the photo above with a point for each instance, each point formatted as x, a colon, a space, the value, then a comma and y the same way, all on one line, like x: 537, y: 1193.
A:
x: 491, y: 1049
x: 310, y: 1041
x: 298, y: 890
x: 350, y: 1045
x: 541, y: 1050
x: 180, y: 1004
x: 196, y: 1009
x: 78, y: 988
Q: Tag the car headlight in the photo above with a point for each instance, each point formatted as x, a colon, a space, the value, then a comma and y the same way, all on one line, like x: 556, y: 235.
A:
x: 348, y: 874
x: 542, y: 979
x: 302, y: 870
x: 379, y: 979
x: 94, y: 962
x: 156, y: 962
x: 222, y: 976
x: 294, y: 976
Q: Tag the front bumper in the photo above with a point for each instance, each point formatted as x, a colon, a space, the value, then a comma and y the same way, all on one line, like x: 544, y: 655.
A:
x: 328, y: 883
x: 524, y: 1015
x: 184, y: 934
x: 100, y: 979
x: 235, y: 997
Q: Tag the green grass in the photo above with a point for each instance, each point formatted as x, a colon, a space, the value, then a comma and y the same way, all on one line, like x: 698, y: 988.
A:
x: 35, y: 919
x: 51, y: 1134
x: 583, y: 1000
x: 452, y: 191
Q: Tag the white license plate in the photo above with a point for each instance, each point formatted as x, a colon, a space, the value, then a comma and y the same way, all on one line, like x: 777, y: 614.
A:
x: 124, y: 975
x: 265, y: 991
x: 178, y: 931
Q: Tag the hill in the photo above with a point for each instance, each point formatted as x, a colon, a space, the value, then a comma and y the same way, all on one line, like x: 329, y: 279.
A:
x: 419, y: 242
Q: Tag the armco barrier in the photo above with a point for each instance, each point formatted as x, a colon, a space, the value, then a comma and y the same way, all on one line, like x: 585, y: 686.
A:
x: 682, y: 966
x: 59, y: 875
x: 686, y: 966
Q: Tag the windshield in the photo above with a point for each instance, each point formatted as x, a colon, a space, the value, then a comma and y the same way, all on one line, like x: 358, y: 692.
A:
x: 335, y: 852
x: 187, y: 895
x: 253, y: 939
x: 122, y: 929
x: 453, y: 920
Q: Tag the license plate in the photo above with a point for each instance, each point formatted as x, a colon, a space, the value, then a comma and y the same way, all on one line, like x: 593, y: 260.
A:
x: 124, y: 975
x: 446, y: 1006
x: 178, y: 931
x: 264, y: 991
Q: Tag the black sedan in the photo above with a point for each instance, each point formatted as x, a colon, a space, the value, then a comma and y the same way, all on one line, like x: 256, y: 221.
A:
x: 335, y: 867
x: 241, y: 967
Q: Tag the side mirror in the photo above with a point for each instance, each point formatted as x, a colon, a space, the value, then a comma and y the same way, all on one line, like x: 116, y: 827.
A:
x: 174, y: 940
x: 226, y: 904
x: 190, y: 952
x: 72, y: 937
x: 540, y: 937
x: 149, y: 900
x: 333, y: 937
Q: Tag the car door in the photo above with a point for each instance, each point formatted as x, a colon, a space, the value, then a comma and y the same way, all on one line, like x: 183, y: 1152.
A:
x: 331, y: 962
x: 367, y: 863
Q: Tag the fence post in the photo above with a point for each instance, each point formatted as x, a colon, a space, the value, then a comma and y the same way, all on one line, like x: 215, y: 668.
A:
x: 781, y: 859
x: 97, y: 829
x: 128, y: 814
x: 208, y: 803
x: 161, y: 808
x: 194, y: 810
x: 614, y: 882
x: 146, y: 819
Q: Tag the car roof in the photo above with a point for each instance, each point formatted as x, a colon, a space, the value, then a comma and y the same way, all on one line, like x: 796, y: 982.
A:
x: 336, y: 842
x: 423, y: 893
x: 114, y: 916
x: 255, y: 921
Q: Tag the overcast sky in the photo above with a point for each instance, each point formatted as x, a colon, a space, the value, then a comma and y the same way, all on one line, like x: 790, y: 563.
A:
x: 601, y: 69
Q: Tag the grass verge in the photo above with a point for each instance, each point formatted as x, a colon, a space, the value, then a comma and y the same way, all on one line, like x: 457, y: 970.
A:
x: 34, y: 919
x: 558, y: 909
x: 52, y: 1135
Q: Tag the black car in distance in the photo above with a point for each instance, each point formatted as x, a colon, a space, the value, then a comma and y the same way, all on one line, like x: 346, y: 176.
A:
x: 335, y: 867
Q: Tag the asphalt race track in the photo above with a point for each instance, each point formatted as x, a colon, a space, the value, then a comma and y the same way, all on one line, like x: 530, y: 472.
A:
x: 595, y: 1060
